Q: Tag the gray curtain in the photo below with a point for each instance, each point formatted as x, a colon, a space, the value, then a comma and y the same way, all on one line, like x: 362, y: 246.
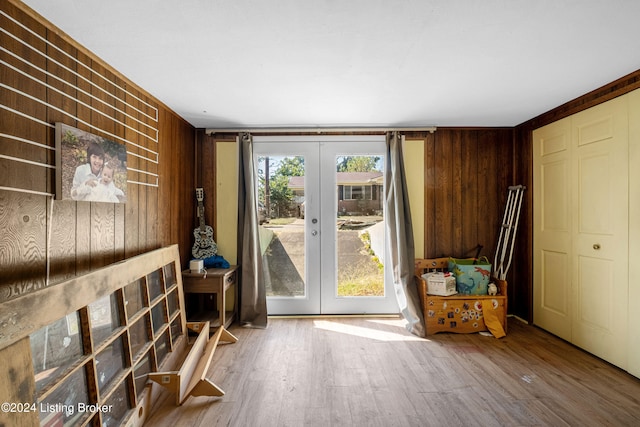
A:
x: 252, y: 297
x: 400, y: 236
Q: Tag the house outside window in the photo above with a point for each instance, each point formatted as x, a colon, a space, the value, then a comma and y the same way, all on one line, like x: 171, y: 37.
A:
x: 358, y: 193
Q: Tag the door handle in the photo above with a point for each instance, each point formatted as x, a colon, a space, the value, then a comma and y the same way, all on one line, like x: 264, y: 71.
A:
x: 596, y: 246
x: 314, y: 232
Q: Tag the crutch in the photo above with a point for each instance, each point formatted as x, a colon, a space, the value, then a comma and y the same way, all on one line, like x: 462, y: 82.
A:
x: 508, y: 230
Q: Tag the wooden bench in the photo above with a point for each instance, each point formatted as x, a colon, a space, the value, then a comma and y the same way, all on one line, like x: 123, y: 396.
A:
x: 457, y: 313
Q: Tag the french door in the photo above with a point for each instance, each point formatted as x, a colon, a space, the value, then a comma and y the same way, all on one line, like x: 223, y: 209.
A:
x: 323, y: 228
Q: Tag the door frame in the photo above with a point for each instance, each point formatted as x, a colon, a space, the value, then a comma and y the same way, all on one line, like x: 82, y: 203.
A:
x: 309, y: 303
x: 331, y: 303
x: 318, y: 283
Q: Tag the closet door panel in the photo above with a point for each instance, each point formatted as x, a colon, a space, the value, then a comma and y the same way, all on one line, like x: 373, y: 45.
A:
x: 552, y: 228
x: 634, y: 232
x: 554, y: 300
x: 600, y: 230
x: 594, y: 292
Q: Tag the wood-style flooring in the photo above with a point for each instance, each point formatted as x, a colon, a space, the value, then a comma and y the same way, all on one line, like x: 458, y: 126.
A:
x: 372, y: 372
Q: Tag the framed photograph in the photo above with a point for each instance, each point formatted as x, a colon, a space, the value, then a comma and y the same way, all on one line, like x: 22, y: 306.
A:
x: 89, y: 167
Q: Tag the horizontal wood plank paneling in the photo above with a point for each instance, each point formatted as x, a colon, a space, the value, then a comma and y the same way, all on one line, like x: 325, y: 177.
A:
x: 49, y: 78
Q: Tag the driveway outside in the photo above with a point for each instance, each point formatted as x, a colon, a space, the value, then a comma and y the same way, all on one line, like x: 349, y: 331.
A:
x: 285, y: 258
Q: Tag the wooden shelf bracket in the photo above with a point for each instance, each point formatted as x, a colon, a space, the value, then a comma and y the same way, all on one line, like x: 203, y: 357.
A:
x: 190, y: 379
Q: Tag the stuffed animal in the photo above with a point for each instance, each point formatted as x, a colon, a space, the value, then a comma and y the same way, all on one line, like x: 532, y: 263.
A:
x: 492, y: 289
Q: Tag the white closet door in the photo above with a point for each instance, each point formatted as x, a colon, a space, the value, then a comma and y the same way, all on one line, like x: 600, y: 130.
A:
x: 600, y: 230
x: 552, y: 228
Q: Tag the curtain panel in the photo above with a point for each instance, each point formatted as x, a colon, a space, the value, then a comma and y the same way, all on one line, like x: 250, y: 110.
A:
x: 400, y: 236
x: 252, y: 296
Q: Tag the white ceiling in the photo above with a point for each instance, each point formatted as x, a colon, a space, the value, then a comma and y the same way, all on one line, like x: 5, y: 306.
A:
x: 358, y: 63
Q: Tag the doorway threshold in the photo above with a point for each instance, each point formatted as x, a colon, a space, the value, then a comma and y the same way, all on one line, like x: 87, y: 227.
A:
x: 330, y: 316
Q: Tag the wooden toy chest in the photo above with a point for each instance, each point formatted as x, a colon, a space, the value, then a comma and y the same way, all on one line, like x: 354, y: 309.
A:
x: 457, y: 313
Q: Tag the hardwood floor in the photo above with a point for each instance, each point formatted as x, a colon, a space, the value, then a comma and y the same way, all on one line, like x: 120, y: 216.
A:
x: 372, y: 372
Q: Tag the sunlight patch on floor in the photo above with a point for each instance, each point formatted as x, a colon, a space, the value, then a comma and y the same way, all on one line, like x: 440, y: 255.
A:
x: 397, y: 321
x: 359, y: 331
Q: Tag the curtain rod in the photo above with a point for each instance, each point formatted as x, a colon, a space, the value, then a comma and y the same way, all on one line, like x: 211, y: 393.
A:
x: 431, y: 129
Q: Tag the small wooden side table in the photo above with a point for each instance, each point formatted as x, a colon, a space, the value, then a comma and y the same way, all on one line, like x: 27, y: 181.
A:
x: 218, y: 283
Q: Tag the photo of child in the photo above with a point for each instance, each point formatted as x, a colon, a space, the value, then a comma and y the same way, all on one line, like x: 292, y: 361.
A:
x: 105, y: 190
x: 89, y: 167
x: 87, y: 175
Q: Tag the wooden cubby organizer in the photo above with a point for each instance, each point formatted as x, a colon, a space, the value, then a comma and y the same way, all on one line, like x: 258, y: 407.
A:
x: 100, y: 340
x: 457, y: 313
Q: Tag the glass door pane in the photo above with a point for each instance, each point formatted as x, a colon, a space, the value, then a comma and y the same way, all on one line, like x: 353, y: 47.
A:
x: 359, y: 226
x: 286, y: 175
x: 354, y: 279
x: 281, y: 200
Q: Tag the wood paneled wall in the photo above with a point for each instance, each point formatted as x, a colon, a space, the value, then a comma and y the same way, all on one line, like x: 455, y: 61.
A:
x: 467, y: 174
x: 206, y: 174
x: 47, y: 78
